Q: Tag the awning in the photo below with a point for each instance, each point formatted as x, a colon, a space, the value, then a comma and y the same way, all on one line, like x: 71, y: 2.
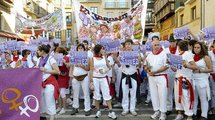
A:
x: 10, y: 35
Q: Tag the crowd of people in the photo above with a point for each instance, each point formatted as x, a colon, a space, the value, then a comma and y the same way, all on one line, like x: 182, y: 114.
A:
x: 106, y: 78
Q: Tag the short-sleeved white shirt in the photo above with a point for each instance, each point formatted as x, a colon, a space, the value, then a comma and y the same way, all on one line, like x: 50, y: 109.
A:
x: 48, y: 66
x: 155, y: 62
x: 111, y: 62
x: 185, y: 72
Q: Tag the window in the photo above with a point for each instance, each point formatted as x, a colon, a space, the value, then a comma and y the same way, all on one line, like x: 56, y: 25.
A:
x: 181, y: 19
x: 94, y: 9
x: 68, y: 33
x: 149, y: 16
x: 172, y: 7
x: 58, y: 34
x: 68, y: 17
x: 193, y: 13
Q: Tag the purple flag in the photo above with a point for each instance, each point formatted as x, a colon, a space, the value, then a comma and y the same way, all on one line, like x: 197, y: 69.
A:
x: 20, y: 94
x: 135, y: 47
x: 209, y: 33
x: 165, y: 44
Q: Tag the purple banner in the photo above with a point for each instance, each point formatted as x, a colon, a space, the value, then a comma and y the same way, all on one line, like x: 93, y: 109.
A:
x: 209, y: 33
x: 112, y: 46
x: 181, y: 33
x: 174, y: 60
x: 20, y: 94
x: 128, y: 57
x: 164, y: 44
x: 79, y: 57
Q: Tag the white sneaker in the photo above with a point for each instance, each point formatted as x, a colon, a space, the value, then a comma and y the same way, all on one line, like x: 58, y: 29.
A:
x: 179, y: 117
x: 98, y: 114
x: 155, y: 115
x: 134, y: 113
x: 163, y: 116
x: 58, y: 109
x: 117, y: 105
x: 112, y: 115
x: 62, y: 111
x: 124, y: 113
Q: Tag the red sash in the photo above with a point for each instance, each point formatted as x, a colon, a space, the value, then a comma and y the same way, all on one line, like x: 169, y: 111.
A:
x: 190, y: 89
x: 51, y: 80
x: 165, y: 75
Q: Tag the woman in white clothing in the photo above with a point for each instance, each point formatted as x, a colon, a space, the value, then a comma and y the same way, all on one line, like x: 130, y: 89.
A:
x: 81, y: 80
x: 50, y: 90
x: 99, y: 68
x: 201, y: 76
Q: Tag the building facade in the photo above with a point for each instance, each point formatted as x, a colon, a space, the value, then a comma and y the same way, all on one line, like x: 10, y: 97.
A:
x: 164, y: 17
x: 65, y: 34
x: 188, y: 13
x: 31, y: 9
x: 207, y: 13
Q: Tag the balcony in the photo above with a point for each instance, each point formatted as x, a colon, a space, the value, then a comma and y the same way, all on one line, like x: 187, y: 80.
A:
x: 179, y: 5
x: 122, y: 5
x: 7, y: 3
x: 189, y: 1
x: 33, y: 8
x: 89, y: 1
x: 161, y: 4
x: 165, y: 12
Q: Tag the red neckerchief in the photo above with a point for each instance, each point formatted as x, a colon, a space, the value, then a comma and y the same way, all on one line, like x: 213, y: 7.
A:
x: 196, y: 57
x: 172, y: 50
x: 182, y: 53
x: 158, y: 52
x: 98, y: 56
x: 15, y: 57
x: 213, y: 51
x: 24, y: 59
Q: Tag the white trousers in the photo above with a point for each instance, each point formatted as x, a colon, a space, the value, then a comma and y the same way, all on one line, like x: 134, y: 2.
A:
x: 125, y: 91
x: 212, y: 88
x: 118, y: 74
x: 171, y: 79
x: 76, y: 90
x: 47, y: 104
x: 101, y: 84
x: 185, y: 100
x: 201, y: 93
x: 158, y: 90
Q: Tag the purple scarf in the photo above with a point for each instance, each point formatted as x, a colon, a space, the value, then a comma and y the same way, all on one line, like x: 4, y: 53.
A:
x: 43, y: 61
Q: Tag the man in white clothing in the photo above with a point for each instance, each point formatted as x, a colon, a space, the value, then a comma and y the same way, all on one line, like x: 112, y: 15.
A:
x: 155, y: 66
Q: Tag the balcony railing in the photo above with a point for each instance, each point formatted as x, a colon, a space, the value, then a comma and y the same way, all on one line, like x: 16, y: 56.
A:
x: 93, y: 1
x: 160, y: 4
x: 167, y: 11
x: 116, y: 5
x: 7, y: 3
x: 34, y: 8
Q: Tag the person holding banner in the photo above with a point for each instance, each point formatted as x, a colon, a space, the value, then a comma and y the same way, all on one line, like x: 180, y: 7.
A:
x: 9, y: 63
x: 50, y: 90
x: 155, y: 65
x: 200, y: 76
x: 99, y: 67
x: 183, y: 87
x: 129, y: 83
x: 63, y: 79
x: 172, y: 49
x: 80, y: 79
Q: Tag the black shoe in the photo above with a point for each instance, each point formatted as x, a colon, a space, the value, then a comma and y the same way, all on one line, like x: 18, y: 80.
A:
x: 43, y: 118
x: 87, y: 113
x: 168, y: 112
x: 195, y: 117
x: 203, y: 118
x: 74, y: 111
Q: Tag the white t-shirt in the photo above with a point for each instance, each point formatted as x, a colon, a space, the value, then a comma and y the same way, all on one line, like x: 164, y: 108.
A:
x: 47, y: 66
x: 155, y: 62
x: 185, y: 72
x: 79, y: 71
x: 99, y: 65
x: 111, y: 62
x: 211, y: 54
